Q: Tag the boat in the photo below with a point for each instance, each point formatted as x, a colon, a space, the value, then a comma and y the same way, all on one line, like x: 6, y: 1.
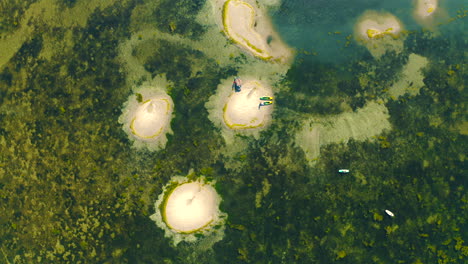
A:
x: 266, y: 98
x: 389, y: 213
x: 264, y: 103
x: 343, y: 171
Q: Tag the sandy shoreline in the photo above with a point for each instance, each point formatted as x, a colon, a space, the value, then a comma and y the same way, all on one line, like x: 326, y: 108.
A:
x: 242, y: 110
x: 146, y: 117
x: 245, y: 23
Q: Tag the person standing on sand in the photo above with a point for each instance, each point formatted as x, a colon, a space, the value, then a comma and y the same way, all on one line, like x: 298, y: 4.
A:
x: 237, y: 84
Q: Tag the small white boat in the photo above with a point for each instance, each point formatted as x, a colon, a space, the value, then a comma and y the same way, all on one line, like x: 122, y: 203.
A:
x: 343, y: 171
x: 389, y: 213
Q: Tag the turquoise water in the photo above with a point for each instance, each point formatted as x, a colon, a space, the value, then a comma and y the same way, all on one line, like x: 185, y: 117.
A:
x: 73, y: 189
x: 322, y: 26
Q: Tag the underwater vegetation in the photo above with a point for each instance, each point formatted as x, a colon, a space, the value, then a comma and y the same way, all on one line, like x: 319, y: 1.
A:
x: 73, y: 190
x: 11, y: 13
x: 178, y: 17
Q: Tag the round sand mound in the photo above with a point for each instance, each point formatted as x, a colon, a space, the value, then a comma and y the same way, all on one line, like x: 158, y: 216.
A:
x: 243, y: 109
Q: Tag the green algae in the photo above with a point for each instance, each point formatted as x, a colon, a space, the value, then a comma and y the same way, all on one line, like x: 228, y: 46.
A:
x: 73, y: 191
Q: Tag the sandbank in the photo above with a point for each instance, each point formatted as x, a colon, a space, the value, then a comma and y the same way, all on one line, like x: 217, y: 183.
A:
x: 369, y: 121
x: 242, y: 110
x: 187, y: 209
x: 247, y: 25
x: 424, y: 9
x: 429, y: 13
x: 150, y: 117
x: 146, y: 117
x: 239, y: 112
x: 379, y: 32
x: 190, y: 207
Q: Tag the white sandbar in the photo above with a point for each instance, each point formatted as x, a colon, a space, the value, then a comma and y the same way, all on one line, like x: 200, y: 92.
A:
x: 242, y: 110
x: 190, y: 206
x: 150, y: 118
x: 425, y: 8
x: 430, y: 13
x: 146, y: 117
x: 187, y: 208
x: 245, y: 24
x: 379, y: 32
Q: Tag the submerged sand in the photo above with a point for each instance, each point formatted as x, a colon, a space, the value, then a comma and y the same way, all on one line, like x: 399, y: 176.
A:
x: 430, y: 14
x: 48, y: 14
x: 425, y: 8
x: 411, y: 77
x: 369, y: 121
x: 379, y: 32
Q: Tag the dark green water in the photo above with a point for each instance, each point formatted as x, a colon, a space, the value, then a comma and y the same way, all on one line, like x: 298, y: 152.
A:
x: 73, y: 190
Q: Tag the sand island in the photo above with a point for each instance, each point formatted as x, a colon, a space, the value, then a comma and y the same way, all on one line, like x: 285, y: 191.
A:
x: 428, y: 13
x: 188, y: 208
x: 379, y: 32
x: 245, y: 23
x: 243, y: 110
x: 146, y: 117
x: 425, y: 8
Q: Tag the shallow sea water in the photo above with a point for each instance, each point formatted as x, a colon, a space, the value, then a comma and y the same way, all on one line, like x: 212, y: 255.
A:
x: 322, y: 26
x: 74, y: 188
